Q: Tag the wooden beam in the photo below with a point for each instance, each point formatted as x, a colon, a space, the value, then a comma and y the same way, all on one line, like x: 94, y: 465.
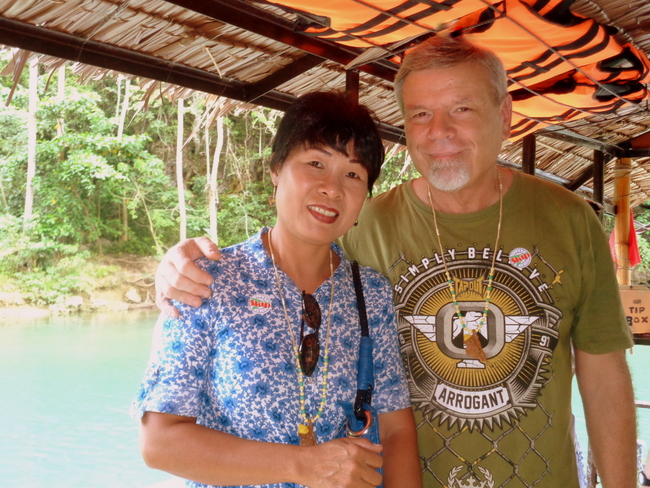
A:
x: 259, y: 21
x: 561, y: 134
x: 64, y: 46
x: 588, y: 173
x: 255, y: 90
x: 585, y: 176
x: 392, y: 133
x: 637, y: 153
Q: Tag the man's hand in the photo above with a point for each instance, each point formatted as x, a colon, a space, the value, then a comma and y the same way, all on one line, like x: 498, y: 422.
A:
x: 179, y: 278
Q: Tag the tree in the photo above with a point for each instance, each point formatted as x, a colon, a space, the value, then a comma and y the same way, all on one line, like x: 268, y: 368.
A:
x: 180, y: 185
x: 31, y: 144
x: 212, y: 173
x: 105, y: 183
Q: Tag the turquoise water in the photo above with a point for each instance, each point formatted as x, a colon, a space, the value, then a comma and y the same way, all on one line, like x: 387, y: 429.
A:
x: 65, y: 388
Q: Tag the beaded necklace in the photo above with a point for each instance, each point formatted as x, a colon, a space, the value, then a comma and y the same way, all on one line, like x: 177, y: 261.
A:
x: 471, y: 340
x: 306, y: 428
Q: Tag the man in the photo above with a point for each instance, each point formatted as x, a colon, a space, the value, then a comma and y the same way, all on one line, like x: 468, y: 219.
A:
x: 502, y: 283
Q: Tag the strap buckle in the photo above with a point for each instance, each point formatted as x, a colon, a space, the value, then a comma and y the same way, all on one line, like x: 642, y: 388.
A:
x: 359, y: 433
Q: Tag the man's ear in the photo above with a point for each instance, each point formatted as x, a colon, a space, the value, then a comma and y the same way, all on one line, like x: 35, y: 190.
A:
x: 506, y: 117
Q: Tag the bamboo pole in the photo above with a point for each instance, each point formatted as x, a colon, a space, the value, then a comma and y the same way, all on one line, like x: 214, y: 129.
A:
x: 622, y: 172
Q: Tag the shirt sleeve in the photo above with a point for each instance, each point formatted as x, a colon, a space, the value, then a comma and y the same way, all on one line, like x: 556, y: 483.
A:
x: 391, y: 387
x: 600, y: 326
x: 175, y: 378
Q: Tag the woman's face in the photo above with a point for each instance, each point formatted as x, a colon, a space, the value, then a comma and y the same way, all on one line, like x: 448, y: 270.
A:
x: 320, y: 192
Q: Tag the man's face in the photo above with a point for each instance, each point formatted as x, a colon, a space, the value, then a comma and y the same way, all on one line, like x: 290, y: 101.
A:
x: 454, y: 128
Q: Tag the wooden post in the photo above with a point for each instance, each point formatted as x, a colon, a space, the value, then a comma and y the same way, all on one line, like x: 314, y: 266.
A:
x: 352, y: 85
x: 528, y: 154
x: 622, y: 172
x: 599, y: 181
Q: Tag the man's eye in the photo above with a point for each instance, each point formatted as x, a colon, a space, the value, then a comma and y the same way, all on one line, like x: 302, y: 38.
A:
x: 420, y: 116
x: 352, y: 174
x: 315, y: 164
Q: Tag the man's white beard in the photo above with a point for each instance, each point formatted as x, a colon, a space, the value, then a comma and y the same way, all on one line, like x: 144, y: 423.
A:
x: 450, y: 176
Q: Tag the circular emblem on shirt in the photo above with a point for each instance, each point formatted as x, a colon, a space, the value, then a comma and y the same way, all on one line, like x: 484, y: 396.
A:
x: 520, y: 257
x: 518, y: 338
x: 260, y: 304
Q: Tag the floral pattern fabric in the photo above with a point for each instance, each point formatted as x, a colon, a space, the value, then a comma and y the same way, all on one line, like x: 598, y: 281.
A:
x: 230, y: 363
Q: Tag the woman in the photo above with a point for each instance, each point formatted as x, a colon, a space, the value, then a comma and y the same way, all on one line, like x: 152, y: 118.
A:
x: 244, y: 390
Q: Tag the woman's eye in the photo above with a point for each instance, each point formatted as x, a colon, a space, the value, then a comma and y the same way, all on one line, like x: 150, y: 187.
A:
x: 315, y: 164
x: 352, y: 174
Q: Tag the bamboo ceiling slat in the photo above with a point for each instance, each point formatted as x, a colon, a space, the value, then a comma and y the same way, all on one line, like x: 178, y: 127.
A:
x: 179, y: 35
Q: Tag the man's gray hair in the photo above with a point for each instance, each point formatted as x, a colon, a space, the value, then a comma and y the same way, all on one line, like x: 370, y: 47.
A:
x: 447, y: 52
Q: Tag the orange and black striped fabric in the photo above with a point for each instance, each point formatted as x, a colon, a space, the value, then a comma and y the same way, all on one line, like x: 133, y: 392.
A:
x: 561, y: 66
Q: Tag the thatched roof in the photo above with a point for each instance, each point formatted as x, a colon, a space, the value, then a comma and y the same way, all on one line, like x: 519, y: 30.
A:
x: 268, y: 53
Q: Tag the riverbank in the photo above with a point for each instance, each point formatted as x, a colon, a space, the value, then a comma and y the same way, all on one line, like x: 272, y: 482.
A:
x: 119, y: 283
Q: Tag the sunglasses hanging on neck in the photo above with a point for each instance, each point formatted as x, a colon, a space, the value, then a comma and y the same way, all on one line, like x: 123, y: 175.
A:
x: 309, y: 344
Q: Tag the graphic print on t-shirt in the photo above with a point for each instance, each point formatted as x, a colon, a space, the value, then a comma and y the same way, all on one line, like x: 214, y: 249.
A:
x: 518, y: 339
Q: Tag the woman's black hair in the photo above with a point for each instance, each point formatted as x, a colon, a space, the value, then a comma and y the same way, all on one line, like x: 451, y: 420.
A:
x: 331, y: 119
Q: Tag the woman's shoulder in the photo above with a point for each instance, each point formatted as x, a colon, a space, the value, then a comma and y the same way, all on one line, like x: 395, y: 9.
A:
x: 378, y: 296
x: 373, y: 280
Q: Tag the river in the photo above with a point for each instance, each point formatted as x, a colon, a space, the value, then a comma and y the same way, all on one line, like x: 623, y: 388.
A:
x: 65, y: 388
x: 66, y: 384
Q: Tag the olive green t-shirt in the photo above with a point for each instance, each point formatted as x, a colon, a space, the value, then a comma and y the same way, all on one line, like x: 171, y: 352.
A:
x: 506, y: 420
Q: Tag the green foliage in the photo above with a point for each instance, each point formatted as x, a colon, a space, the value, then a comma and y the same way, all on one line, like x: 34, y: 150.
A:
x: 87, y: 174
x: 13, y: 133
x: 20, y: 253
x: 140, y: 247
x: 642, y: 216
x: 397, y: 169
x: 241, y: 215
x: 44, y: 286
x: 45, y: 271
x: 94, y: 190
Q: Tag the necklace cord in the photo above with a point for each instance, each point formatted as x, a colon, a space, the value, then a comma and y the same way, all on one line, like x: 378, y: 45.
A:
x: 301, y: 381
x: 450, y: 281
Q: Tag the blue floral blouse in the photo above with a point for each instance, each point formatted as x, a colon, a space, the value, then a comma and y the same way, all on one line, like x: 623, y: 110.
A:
x: 230, y: 363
